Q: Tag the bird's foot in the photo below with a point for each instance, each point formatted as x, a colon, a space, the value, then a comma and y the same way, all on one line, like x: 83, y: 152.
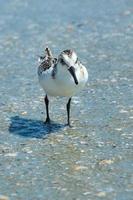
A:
x: 68, y: 124
x: 47, y: 121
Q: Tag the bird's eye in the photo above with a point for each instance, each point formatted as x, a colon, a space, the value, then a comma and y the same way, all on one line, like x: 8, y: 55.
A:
x: 55, y: 60
x: 62, y: 61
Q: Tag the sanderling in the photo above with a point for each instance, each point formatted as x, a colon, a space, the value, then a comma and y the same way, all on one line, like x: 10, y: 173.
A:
x: 62, y: 76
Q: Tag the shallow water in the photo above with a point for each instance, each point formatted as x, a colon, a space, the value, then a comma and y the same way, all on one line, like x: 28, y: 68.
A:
x: 92, y: 160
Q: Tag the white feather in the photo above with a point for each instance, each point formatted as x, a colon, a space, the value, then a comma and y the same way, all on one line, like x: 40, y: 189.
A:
x: 62, y: 84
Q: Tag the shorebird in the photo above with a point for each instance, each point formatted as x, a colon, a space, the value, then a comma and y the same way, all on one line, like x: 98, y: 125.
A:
x: 62, y: 76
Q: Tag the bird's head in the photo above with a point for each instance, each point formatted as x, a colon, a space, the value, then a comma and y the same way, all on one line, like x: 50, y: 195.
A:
x: 69, y: 59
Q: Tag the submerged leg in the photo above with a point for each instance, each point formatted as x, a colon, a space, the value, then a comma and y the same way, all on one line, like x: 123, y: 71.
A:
x: 68, y: 112
x: 47, y: 109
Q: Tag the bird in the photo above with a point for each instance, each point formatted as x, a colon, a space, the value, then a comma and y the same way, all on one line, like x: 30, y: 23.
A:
x: 63, y: 76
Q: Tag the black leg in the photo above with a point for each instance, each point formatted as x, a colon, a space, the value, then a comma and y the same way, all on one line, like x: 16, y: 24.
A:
x: 47, y: 110
x: 68, y: 112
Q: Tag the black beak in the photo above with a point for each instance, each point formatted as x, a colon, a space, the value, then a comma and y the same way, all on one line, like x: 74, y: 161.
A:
x: 72, y: 72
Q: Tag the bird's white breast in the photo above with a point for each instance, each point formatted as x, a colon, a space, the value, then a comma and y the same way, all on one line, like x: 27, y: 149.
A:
x: 63, y: 83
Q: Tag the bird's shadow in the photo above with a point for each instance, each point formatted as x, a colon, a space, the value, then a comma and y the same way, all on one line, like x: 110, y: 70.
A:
x: 32, y: 128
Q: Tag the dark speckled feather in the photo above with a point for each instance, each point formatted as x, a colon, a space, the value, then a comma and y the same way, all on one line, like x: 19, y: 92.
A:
x: 68, y: 52
x: 48, y: 61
